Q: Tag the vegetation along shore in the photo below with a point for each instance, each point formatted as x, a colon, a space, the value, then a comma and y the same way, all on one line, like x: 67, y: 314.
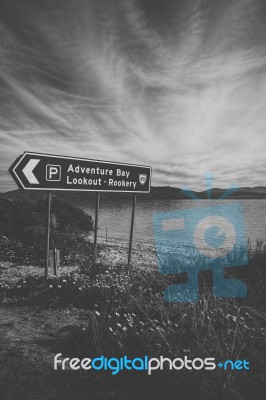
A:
x: 113, y: 309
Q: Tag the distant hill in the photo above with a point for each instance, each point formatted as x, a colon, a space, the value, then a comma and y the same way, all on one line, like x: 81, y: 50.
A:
x: 157, y: 192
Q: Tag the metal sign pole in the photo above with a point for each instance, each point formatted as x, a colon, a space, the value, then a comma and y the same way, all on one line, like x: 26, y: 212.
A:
x: 55, y: 261
x: 96, y: 227
x: 48, y: 227
x: 132, y: 227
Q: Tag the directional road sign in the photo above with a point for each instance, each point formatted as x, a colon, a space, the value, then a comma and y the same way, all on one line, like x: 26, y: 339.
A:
x: 51, y: 172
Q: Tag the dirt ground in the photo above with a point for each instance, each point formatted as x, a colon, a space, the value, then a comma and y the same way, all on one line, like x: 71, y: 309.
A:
x: 30, y: 336
x: 28, y: 343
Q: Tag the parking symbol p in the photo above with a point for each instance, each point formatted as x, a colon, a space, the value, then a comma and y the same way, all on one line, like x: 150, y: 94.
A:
x: 53, y: 173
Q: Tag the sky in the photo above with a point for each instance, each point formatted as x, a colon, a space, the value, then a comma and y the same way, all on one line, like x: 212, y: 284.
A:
x: 179, y: 85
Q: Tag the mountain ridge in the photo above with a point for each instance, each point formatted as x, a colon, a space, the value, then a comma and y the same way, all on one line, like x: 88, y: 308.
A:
x: 157, y: 192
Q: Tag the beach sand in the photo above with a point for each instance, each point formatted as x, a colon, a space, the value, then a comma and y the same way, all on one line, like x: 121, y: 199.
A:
x: 114, y: 252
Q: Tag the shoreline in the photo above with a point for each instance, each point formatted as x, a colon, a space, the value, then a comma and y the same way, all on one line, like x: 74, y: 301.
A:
x: 113, y: 253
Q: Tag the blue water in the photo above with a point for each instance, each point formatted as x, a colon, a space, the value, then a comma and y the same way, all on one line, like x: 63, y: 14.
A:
x: 115, y: 215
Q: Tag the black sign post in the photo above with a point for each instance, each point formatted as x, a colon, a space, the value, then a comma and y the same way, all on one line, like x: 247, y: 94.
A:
x: 48, y: 172
x: 36, y: 171
x: 132, y: 227
x: 48, y: 227
x: 96, y: 227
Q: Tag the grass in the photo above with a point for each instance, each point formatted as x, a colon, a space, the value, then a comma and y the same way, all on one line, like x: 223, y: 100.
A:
x: 127, y: 315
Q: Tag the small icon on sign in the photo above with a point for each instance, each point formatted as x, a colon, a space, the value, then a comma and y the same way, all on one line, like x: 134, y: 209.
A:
x: 142, y: 179
x: 53, y: 173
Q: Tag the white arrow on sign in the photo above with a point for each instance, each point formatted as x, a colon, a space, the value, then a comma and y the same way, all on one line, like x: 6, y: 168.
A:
x: 27, y: 171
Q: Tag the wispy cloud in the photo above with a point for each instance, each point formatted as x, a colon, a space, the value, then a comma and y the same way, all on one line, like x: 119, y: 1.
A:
x: 177, y: 85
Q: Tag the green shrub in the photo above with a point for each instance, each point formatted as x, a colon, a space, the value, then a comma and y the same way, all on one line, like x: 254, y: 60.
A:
x: 19, y: 214
x: 23, y: 231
